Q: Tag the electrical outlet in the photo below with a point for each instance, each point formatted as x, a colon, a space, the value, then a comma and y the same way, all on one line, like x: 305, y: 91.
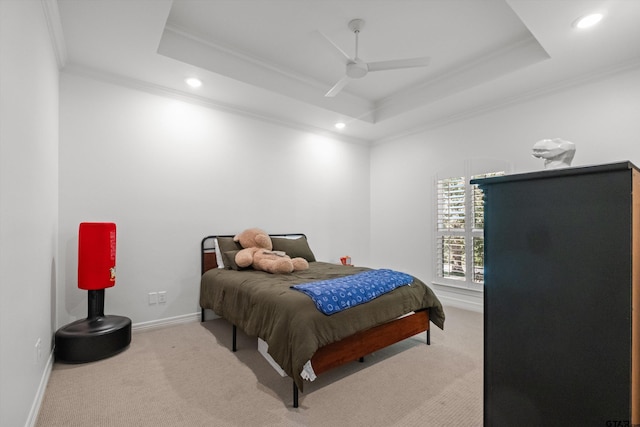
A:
x: 162, y: 297
x: 153, y: 298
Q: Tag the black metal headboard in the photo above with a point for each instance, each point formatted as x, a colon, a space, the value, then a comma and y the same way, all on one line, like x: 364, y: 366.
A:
x: 208, y: 258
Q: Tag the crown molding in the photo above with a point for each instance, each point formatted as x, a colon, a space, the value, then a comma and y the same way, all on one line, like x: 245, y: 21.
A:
x: 54, y: 24
x: 243, y: 56
x: 505, y: 102
x: 155, y: 89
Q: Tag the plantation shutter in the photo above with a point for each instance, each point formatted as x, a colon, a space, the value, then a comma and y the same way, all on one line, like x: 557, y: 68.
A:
x: 459, y: 259
x: 451, y: 218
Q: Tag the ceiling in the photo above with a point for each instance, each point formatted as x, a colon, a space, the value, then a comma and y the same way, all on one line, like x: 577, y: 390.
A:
x: 271, y: 58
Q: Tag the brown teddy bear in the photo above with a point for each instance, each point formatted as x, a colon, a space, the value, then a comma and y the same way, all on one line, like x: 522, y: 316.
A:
x: 257, y: 252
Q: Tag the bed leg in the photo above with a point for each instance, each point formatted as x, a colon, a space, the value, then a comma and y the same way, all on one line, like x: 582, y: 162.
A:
x: 202, y: 314
x: 361, y: 360
x: 428, y: 337
x: 295, y: 395
x: 235, y: 333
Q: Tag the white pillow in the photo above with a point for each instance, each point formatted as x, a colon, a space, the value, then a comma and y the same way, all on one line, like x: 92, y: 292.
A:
x: 218, y: 254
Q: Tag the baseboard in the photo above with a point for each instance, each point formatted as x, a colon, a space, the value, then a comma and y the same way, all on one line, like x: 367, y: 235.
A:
x: 461, y: 303
x: 37, y: 401
x: 168, y: 321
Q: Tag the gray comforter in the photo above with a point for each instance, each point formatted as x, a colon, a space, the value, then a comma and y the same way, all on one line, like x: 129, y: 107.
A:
x: 263, y: 305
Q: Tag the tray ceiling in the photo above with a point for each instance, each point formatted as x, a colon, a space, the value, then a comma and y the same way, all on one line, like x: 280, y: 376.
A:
x: 268, y: 59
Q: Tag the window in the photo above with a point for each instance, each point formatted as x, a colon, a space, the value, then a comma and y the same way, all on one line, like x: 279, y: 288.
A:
x: 459, y: 232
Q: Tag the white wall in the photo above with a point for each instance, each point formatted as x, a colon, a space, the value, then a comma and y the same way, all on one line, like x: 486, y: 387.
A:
x: 169, y: 172
x: 600, y: 117
x: 28, y: 207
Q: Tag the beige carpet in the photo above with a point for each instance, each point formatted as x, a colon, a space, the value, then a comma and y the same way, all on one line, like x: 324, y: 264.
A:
x: 186, y: 375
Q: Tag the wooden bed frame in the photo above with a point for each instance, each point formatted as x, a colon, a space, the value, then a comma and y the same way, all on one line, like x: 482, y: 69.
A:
x: 349, y: 349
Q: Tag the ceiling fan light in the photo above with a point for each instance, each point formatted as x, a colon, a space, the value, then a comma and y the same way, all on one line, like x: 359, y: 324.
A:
x: 588, y: 20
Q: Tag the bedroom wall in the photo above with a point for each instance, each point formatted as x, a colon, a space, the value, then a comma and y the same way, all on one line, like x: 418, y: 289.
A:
x: 600, y: 117
x: 169, y: 172
x: 28, y: 208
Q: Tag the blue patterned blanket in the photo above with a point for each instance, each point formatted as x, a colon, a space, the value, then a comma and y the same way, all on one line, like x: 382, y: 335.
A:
x: 334, y: 295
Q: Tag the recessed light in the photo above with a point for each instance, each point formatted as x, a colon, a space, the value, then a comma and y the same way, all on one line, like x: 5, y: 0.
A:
x: 588, y: 20
x: 340, y: 125
x: 193, y: 82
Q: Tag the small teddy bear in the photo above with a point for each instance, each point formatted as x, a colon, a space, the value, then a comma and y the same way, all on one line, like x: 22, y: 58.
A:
x: 257, y: 252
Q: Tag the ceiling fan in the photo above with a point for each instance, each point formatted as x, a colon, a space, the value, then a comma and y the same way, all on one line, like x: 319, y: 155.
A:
x: 356, y: 68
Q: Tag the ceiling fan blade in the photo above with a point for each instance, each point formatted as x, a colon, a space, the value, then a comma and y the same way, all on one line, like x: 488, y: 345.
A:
x: 398, y: 63
x: 337, y: 87
x: 341, y: 54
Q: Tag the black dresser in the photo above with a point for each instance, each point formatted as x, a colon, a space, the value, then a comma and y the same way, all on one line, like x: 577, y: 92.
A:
x: 562, y: 297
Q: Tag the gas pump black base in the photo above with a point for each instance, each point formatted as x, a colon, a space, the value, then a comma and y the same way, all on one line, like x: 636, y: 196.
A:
x: 94, y: 338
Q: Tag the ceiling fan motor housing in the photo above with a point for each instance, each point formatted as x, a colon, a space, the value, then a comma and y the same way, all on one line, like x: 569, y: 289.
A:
x: 357, y: 69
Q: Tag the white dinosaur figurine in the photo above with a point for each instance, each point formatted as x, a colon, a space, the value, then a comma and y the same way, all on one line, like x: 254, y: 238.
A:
x: 557, y: 153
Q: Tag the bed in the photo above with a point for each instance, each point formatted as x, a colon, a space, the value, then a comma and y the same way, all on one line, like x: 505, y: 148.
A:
x: 302, y: 340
